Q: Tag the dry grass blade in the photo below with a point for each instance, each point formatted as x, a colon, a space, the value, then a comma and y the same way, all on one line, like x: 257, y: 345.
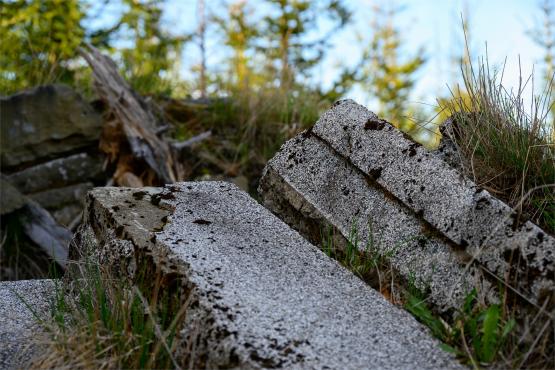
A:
x: 100, y: 323
x: 510, y: 149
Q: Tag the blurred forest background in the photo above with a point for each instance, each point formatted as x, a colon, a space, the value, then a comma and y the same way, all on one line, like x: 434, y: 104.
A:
x: 271, y: 54
x: 269, y: 81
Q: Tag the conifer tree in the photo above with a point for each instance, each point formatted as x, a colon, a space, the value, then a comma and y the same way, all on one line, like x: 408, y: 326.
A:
x: 385, y: 75
x: 240, y: 34
x: 38, y: 39
x: 151, y: 58
x: 286, y: 29
x: 544, y: 36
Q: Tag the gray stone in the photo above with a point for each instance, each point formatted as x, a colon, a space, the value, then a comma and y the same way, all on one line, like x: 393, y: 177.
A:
x: 467, y: 217
x: 10, y: 198
x: 259, y: 294
x: 59, y: 197
x: 44, y: 122
x: 23, y: 303
x: 68, y: 215
x: 76, y: 168
x: 39, y: 225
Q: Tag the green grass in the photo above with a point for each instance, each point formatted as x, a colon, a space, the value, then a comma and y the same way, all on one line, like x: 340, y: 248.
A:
x: 479, y: 335
x: 97, y: 322
x: 509, y: 147
x: 248, y: 128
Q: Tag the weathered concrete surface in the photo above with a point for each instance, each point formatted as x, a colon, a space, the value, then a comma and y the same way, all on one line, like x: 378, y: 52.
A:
x: 312, y: 189
x: 260, y: 295
x: 44, y: 122
x: 18, y: 324
x: 449, y: 205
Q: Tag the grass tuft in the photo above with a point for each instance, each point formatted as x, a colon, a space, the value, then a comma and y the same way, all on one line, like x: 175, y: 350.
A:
x: 509, y: 149
x: 98, y: 323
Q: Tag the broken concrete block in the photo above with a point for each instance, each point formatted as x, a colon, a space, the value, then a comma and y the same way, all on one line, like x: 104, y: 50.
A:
x: 312, y: 189
x: 258, y: 294
x: 21, y: 301
x: 361, y: 159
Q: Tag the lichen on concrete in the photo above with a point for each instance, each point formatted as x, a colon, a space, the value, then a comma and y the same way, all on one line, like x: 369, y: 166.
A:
x: 307, y: 182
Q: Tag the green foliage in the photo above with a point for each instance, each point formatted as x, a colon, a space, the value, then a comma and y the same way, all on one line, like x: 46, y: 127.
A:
x: 149, y: 63
x: 477, y: 334
x: 284, y: 33
x: 96, y: 323
x: 385, y: 75
x: 39, y: 42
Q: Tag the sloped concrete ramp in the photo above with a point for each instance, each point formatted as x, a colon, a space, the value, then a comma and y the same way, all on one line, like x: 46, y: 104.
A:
x: 436, y: 226
x: 259, y: 295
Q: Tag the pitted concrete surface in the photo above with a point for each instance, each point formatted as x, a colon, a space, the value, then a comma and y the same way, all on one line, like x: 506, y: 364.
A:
x: 18, y: 324
x: 454, y: 206
x: 261, y: 295
x: 306, y: 182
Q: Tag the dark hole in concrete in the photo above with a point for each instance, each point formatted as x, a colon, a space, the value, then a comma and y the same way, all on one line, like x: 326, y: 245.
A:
x: 375, y: 173
x: 374, y: 125
x: 138, y: 195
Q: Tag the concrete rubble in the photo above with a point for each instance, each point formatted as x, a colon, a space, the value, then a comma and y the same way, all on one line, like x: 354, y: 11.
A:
x: 258, y: 294
x: 19, y: 328
x: 435, y: 225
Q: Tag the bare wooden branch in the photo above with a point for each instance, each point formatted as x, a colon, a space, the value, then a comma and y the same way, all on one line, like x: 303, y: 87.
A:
x: 192, y: 141
x: 138, y: 123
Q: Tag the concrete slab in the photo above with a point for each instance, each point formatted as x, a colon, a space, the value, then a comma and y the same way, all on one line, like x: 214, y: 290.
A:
x: 468, y: 216
x: 312, y: 188
x: 18, y: 324
x: 260, y: 296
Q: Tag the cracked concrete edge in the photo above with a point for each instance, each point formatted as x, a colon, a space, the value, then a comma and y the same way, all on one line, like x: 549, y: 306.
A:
x: 223, y: 334
x: 444, y: 198
x: 311, y: 189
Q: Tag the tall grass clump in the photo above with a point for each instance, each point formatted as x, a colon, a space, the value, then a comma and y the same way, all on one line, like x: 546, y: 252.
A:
x: 508, y: 147
x: 99, y: 323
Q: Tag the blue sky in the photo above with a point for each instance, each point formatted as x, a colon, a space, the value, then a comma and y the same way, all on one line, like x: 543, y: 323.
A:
x: 432, y: 24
